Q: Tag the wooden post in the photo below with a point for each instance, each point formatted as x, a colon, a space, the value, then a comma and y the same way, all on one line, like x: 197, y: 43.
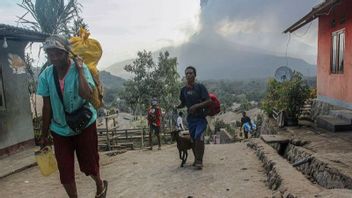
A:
x: 107, y: 133
x: 142, y: 137
x: 126, y: 135
x: 114, y: 122
x: 113, y: 132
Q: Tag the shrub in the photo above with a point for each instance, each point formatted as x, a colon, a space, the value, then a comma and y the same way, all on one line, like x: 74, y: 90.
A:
x: 288, y: 96
x: 218, y: 124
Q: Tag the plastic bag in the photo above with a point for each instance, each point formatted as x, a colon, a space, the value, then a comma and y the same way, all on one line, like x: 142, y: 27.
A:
x: 247, y: 127
x: 46, y: 161
x: 91, y: 51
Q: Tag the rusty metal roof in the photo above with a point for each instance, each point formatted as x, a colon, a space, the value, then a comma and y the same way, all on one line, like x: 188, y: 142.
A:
x: 21, y: 34
x: 323, y: 8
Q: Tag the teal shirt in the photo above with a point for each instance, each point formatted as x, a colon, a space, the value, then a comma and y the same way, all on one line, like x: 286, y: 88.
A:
x: 72, y: 99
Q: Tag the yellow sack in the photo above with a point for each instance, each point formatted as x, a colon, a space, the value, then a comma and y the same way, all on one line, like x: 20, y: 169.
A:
x: 91, y: 51
x: 46, y: 161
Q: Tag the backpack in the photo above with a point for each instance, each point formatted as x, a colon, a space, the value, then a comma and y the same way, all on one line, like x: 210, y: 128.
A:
x: 214, y: 107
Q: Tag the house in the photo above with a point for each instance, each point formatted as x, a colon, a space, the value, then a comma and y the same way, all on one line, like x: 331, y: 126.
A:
x: 16, y: 127
x: 334, y: 62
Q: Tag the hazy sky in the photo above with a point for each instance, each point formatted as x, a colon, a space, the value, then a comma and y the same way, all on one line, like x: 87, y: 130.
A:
x: 125, y: 26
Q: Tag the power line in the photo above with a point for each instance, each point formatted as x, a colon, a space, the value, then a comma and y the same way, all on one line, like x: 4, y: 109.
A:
x: 300, y: 36
x: 288, y: 42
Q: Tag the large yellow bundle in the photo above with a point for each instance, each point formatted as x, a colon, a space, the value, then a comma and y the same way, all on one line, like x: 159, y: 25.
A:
x: 91, y: 51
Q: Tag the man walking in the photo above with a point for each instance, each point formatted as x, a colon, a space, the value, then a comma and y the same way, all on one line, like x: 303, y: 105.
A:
x: 66, y: 86
x: 154, y: 115
x: 179, y: 122
x: 246, y: 124
x: 196, y: 98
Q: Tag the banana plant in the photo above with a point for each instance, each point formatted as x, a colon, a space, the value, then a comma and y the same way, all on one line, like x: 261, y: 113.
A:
x: 51, y: 17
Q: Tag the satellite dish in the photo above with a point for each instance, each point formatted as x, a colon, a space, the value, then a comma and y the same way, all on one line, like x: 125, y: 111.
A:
x: 283, y: 73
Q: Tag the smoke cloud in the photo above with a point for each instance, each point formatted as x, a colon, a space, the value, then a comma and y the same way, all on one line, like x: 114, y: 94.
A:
x: 260, y: 23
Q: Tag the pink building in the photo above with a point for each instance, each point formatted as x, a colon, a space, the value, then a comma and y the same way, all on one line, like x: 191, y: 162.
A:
x: 334, y: 61
x: 332, y: 109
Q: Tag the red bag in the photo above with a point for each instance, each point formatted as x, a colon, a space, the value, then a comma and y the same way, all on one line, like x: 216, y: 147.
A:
x: 214, y: 108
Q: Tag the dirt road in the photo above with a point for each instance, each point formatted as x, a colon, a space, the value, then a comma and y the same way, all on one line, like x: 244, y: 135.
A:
x: 230, y: 170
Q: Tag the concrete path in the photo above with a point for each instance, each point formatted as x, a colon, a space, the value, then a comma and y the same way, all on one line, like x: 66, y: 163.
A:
x: 17, y: 162
x: 231, y: 170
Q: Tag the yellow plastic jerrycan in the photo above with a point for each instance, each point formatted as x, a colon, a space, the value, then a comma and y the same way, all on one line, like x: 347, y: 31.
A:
x: 46, y: 161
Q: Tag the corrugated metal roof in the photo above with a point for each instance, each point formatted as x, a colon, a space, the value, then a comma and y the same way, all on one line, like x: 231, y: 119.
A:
x: 21, y: 34
x: 323, y: 8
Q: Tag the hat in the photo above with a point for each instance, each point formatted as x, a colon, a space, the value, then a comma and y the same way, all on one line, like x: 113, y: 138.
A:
x: 57, y: 42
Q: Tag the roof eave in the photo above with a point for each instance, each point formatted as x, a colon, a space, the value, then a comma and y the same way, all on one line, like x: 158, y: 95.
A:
x: 21, y: 34
x: 313, y: 14
x: 27, y: 38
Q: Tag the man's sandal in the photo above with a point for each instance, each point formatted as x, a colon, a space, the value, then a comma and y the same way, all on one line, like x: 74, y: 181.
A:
x: 103, y: 193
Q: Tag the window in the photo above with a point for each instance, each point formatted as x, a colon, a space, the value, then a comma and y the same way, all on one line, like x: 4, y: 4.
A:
x: 2, y: 94
x: 338, y: 52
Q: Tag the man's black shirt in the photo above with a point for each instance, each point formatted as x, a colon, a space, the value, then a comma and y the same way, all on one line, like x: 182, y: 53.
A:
x: 245, y: 120
x: 190, y: 96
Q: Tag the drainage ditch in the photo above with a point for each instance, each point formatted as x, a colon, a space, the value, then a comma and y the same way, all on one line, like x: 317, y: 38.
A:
x: 316, y: 170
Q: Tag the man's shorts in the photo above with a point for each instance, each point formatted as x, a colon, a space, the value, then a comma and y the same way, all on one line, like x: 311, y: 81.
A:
x: 86, y: 146
x: 154, y: 128
x: 197, y: 127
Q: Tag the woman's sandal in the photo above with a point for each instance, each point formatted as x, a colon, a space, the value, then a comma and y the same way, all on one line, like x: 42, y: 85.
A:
x: 103, y: 193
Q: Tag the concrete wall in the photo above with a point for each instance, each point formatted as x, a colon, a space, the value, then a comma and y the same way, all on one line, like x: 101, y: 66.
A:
x: 225, y: 137
x: 335, y: 89
x: 16, y: 121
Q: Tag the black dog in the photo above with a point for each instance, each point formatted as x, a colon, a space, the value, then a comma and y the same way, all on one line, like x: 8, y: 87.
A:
x: 183, y: 144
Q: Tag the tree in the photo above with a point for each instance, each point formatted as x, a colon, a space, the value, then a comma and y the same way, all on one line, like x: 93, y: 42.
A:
x: 149, y: 80
x: 52, y: 17
x: 288, y: 96
x: 167, y: 81
x: 168, y: 85
x: 138, y: 89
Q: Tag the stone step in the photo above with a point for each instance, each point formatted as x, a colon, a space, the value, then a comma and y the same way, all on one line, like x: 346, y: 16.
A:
x: 308, y: 102
x: 342, y: 114
x: 306, y: 109
x: 333, y: 124
x: 305, y: 118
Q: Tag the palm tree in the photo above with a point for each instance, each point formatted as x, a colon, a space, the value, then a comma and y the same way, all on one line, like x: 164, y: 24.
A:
x: 52, y: 16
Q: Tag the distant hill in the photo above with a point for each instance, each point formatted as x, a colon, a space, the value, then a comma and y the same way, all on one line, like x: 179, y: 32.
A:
x: 110, y: 81
x: 112, y: 85
x: 216, y: 58
x: 118, y: 69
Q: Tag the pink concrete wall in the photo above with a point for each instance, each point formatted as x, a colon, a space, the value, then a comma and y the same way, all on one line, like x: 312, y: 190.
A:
x: 335, y: 86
